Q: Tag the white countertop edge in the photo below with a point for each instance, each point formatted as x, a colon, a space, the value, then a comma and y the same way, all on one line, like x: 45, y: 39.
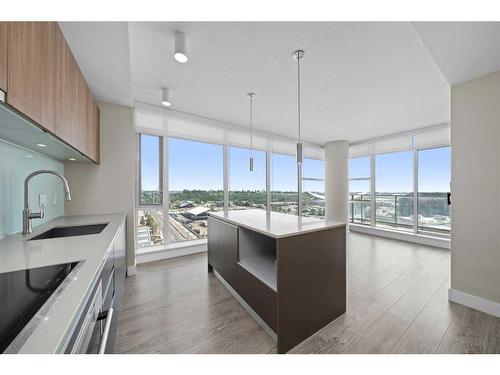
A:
x: 328, y: 225
x: 74, y: 320
x: 54, y: 253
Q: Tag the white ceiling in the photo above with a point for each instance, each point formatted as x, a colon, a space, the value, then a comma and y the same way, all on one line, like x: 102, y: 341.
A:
x: 359, y: 79
x: 102, y: 52
x: 463, y: 50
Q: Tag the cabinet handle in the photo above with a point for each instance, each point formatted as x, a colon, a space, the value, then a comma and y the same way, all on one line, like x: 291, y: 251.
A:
x: 107, y: 326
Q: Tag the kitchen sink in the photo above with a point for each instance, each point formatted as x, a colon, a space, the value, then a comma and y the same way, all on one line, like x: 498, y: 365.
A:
x: 80, y: 230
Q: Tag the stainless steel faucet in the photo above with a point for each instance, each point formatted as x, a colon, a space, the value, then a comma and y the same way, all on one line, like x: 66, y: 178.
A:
x: 27, y: 214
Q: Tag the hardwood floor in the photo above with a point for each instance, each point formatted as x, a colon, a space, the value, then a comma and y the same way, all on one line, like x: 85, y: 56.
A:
x: 396, y: 303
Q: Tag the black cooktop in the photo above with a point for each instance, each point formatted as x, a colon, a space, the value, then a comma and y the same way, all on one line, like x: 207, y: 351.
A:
x: 23, y: 293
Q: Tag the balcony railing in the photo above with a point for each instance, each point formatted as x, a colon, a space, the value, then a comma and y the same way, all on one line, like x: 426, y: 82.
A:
x: 395, y: 210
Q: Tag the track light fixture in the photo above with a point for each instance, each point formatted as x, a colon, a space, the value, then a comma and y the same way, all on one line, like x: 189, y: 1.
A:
x: 165, y: 97
x: 180, y: 54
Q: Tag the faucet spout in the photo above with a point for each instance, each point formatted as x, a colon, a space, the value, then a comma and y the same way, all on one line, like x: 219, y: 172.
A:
x: 27, y: 214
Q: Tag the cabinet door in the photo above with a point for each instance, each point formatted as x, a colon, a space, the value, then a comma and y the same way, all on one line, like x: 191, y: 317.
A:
x: 66, y: 68
x: 81, y: 125
x: 223, y: 249
x: 3, y: 56
x: 93, y: 129
x: 26, y: 47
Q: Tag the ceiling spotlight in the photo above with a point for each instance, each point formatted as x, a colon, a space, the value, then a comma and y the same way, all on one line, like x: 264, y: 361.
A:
x: 165, y: 97
x: 72, y: 159
x: 180, y: 47
x: 29, y: 156
x: 41, y: 145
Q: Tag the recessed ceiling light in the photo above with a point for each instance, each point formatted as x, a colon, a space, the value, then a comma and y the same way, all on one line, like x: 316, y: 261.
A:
x: 41, y: 145
x: 165, y: 97
x: 72, y: 159
x: 29, y: 156
x: 180, y: 47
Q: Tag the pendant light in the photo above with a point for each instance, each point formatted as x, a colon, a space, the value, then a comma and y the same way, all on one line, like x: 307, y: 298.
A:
x: 251, y: 95
x: 298, y: 55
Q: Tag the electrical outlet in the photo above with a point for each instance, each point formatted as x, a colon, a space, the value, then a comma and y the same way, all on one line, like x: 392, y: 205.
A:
x: 54, y: 199
x: 43, y: 199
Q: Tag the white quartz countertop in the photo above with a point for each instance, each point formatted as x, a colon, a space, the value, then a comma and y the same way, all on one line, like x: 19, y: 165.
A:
x: 16, y: 253
x: 275, y: 224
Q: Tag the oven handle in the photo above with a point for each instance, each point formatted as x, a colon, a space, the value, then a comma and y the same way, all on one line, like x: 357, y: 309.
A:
x: 107, y: 326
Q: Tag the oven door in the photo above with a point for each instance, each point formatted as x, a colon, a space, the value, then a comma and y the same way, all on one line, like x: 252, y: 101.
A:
x: 90, y: 332
x: 99, y: 338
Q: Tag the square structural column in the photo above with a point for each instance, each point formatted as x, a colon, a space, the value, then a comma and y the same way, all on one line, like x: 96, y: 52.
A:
x: 336, y: 180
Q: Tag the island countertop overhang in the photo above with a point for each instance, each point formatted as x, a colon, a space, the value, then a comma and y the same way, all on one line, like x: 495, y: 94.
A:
x: 275, y: 224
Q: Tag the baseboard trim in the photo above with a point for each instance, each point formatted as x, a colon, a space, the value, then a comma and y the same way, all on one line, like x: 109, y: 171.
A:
x: 402, y: 236
x: 474, y: 302
x: 131, y: 271
x: 247, y: 307
x: 170, y: 253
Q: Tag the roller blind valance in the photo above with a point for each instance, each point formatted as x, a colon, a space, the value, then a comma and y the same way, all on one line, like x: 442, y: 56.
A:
x: 435, y: 136
x: 360, y: 150
x: 153, y: 120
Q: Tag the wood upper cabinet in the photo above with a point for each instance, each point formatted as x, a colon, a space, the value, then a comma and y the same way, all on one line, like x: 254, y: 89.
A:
x: 83, y: 97
x: 45, y: 83
x: 27, y: 42
x: 66, y: 87
x: 94, y: 131
x: 3, y: 56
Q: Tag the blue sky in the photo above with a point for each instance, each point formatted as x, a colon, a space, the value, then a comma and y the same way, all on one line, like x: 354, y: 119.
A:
x: 197, y: 165
x: 394, y: 171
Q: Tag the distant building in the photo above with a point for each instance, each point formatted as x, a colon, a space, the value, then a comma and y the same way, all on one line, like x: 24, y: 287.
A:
x: 186, y: 204
x: 197, y: 213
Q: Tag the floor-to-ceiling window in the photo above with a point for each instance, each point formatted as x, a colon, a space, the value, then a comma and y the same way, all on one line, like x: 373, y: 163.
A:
x: 188, y: 167
x: 359, y: 190
x: 313, y: 187
x: 195, y: 187
x: 394, y: 190
x: 150, y: 215
x: 410, y: 175
x: 284, y: 191
x: 247, y: 189
x: 434, y: 167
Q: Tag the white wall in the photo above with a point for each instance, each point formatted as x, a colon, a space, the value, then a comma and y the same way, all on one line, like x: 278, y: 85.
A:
x: 336, y: 180
x: 475, y: 139
x: 108, y: 187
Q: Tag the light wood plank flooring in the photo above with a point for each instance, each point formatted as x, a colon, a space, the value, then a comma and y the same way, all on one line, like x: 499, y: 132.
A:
x: 397, y: 303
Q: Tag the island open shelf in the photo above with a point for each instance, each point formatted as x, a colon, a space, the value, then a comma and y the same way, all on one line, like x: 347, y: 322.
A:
x: 289, y: 272
x: 257, y: 254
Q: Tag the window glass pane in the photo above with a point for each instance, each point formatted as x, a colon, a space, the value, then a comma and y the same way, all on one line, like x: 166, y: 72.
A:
x: 359, y: 167
x: 313, y: 168
x: 247, y: 189
x: 284, y: 183
x: 150, y: 170
x: 434, y: 176
x: 150, y: 227
x: 195, y: 178
x: 313, y: 198
x: 394, y: 190
x: 359, y: 202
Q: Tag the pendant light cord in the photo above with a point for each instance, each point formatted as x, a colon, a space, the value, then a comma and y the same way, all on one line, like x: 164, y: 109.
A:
x: 298, y: 91
x: 251, y: 125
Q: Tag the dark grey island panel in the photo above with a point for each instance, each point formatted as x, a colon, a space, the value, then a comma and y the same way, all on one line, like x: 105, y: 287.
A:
x: 289, y: 272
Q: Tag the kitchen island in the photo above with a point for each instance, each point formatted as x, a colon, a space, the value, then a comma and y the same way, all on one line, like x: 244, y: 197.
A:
x: 289, y: 272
